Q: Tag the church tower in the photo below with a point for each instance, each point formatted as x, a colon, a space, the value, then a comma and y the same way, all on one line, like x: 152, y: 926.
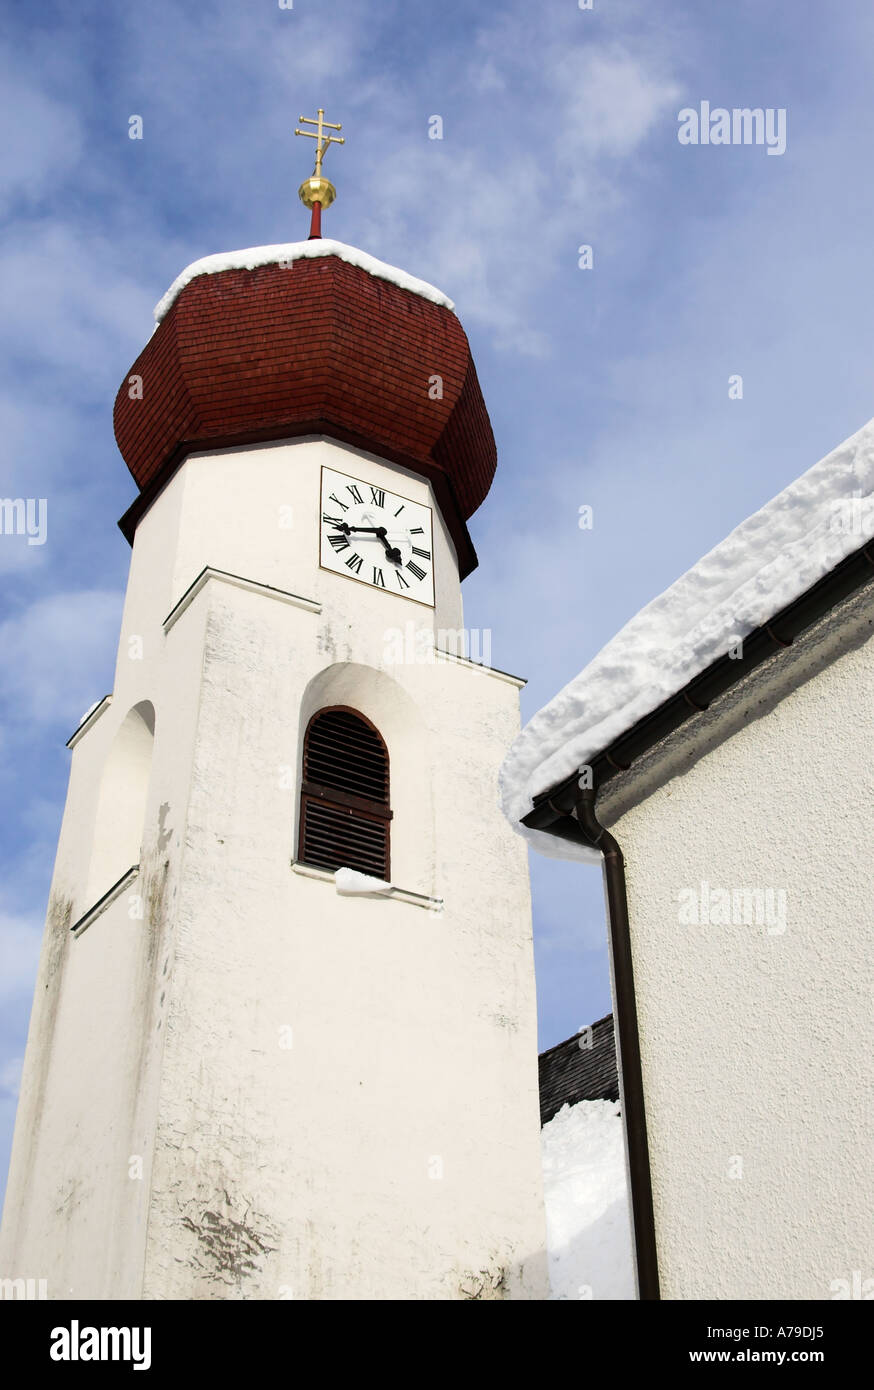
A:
x: 249, y: 1075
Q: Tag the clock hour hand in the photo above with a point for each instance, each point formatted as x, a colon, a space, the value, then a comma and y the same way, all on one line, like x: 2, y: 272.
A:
x: 392, y: 552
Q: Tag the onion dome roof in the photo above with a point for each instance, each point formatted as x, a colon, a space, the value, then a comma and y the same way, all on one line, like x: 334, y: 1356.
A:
x: 313, y: 337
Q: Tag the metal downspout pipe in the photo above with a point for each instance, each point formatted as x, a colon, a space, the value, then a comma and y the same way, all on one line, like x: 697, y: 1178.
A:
x: 634, y: 1112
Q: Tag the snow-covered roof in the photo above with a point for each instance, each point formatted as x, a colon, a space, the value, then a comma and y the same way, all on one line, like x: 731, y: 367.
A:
x: 254, y: 256
x: 767, y: 562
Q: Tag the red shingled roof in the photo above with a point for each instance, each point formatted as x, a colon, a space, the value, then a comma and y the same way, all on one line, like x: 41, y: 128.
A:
x: 316, y: 347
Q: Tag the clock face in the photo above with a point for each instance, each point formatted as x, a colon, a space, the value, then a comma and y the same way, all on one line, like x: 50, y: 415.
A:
x: 377, y: 537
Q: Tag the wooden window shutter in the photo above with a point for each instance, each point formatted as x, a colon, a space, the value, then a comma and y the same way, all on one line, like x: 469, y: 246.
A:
x: 344, y: 805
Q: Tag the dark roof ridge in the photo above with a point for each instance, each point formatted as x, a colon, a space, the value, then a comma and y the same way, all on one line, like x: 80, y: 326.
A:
x: 546, y: 1052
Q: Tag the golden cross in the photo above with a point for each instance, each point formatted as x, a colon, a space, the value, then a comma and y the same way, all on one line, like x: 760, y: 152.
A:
x: 322, y: 141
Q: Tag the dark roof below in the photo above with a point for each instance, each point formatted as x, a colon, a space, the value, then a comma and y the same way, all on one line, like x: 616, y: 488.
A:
x: 571, y: 1071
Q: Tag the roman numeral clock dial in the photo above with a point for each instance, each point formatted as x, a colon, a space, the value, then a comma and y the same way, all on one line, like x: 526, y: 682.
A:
x: 376, y: 537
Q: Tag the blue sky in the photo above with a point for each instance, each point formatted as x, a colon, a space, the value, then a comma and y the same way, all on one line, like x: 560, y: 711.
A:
x: 606, y: 387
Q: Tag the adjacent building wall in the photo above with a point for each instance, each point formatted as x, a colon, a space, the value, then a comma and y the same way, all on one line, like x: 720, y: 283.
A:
x: 757, y: 1032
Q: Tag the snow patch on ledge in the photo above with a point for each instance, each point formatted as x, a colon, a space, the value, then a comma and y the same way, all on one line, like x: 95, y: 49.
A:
x: 764, y: 564
x: 89, y: 711
x: 254, y: 256
x: 351, y: 882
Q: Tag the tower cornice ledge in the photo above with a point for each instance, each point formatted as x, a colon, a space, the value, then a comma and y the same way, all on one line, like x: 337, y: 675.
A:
x: 238, y: 581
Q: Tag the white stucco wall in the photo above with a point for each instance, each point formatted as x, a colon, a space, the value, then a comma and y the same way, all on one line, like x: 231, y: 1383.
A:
x: 757, y: 1039
x: 392, y: 1150
x: 87, y: 1107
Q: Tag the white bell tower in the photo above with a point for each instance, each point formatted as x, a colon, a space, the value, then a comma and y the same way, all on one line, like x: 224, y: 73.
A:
x: 246, y: 1078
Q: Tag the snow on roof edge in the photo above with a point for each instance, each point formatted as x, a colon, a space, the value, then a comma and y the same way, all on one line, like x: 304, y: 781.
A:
x: 253, y: 256
x: 765, y: 563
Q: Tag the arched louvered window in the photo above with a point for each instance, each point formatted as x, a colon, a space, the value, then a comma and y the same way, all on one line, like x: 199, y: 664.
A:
x: 344, y: 804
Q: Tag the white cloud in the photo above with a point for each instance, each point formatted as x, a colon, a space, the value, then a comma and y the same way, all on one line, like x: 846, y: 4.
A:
x: 20, y: 938
x: 509, y: 200
x: 10, y: 1077
x: 612, y: 99
x: 70, y: 302
x: 51, y: 652
x: 42, y: 138
x: 544, y: 116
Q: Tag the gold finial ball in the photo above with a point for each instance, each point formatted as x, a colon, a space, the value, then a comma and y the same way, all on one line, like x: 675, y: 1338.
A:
x: 317, y: 190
